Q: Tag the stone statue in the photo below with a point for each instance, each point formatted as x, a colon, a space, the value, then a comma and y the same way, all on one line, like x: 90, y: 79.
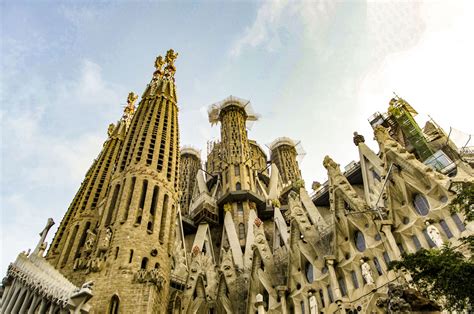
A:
x: 315, y: 186
x: 106, y: 239
x: 313, y: 305
x: 110, y: 129
x: 434, y: 234
x: 367, y: 272
x: 159, y: 62
x: 358, y: 139
x: 170, y: 58
x: 90, y: 240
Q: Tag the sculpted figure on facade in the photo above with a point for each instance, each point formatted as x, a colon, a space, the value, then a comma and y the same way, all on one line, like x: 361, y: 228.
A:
x: 90, y: 241
x: 434, y: 234
x: 367, y: 272
x: 313, y: 305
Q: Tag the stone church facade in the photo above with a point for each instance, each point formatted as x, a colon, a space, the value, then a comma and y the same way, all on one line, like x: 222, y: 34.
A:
x: 155, y: 229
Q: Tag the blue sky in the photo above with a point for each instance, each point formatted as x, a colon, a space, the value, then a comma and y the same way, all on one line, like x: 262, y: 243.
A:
x: 314, y: 71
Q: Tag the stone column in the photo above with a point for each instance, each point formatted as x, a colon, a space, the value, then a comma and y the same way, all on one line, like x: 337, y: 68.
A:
x: 282, y: 293
x: 387, y: 230
x: 7, y: 295
x: 19, y: 300
x: 330, y: 261
x: 43, y: 306
x: 34, y: 303
x: 8, y: 307
x: 259, y: 304
x: 26, y: 302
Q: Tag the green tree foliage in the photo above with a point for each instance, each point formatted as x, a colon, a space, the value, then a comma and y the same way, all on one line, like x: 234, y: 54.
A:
x: 464, y: 199
x: 446, y: 274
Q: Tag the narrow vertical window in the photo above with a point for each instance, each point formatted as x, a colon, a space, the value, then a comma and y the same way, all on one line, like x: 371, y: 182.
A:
x: 321, y: 296
x: 342, y: 286
x: 143, y: 195
x: 152, y: 209
x: 355, y: 282
x: 130, y: 259
x: 164, y: 214
x: 69, y: 247
x: 114, y: 305
x: 144, y: 263
x: 129, y: 199
x: 446, y: 229
x: 240, y: 208
x: 416, y: 242
x: 237, y: 170
x: 142, y: 202
x: 386, y: 258
x: 112, y: 204
x: 241, y: 231
x: 378, y: 266
x: 331, y: 297
x: 116, y: 252
x: 238, y: 186
x: 458, y: 222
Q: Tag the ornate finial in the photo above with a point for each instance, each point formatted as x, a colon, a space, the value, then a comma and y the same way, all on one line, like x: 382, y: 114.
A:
x: 170, y: 57
x: 41, y: 246
x: 358, y: 139
x: 110, y: 129
x: 130, y: 107
x: 258, y: 222
x: 159, y: 62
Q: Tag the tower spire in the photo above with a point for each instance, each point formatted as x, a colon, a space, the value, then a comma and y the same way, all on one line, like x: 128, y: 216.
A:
x: 137, y: 225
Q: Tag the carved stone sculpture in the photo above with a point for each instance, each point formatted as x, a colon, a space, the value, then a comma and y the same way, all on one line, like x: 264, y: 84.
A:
x: 434, y: 234
x: 367, y: 272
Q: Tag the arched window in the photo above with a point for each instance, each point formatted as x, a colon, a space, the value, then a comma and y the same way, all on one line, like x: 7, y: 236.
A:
x: 164, y: 215
x: 237, y: 170
x: 378, y: 266
x: 458, y: 222
x: 446, y: 229
x: 144, y: 263
x: 238, y: 186
x: 309, y: 272
x: 241, y: 231
x: 355, y: 282
x: 112, y: 204
x: 421, y: 204
x: 114, y: 304
x: 240, y: 208
x: 359, y: 241
x: 342, y: 285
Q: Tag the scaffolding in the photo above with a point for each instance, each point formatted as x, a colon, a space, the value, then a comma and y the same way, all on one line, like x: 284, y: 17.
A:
x: 403, y: 114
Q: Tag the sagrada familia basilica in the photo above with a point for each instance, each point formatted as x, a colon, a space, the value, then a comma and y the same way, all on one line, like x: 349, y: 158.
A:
x: 154, y: 228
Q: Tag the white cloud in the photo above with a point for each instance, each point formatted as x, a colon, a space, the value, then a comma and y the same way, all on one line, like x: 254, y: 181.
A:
x: 42, y: 168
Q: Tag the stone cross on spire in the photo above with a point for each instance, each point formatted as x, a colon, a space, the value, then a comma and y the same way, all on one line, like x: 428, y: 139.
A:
x: 41, y: 246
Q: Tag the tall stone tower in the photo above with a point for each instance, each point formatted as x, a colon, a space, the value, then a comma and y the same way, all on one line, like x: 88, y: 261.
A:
x: 68, y: 252
x: 234, y: 157
x: 119, y: 230
x: 189, y: 167
x: 283, y: 155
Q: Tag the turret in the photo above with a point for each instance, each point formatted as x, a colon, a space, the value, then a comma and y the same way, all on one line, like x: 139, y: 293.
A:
x: 284, y: 155
x: 190, y: 163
